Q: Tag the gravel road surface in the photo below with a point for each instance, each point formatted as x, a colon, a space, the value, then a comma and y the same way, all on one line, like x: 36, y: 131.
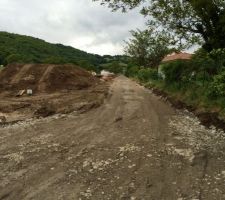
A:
x: 133, y: 147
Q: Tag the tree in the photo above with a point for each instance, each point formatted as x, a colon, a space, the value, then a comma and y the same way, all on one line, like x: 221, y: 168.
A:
x: 147, y: 47
x: 188, y: 21
x: 14, y: 58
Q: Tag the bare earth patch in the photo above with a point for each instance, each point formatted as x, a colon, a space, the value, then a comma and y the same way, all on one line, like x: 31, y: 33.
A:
x: 133, y: 146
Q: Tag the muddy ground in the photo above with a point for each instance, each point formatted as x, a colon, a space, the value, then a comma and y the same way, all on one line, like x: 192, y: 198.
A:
x: 134, y: 146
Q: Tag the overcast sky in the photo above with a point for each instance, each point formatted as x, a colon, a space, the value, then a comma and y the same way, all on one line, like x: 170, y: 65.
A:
x: 82, y: 24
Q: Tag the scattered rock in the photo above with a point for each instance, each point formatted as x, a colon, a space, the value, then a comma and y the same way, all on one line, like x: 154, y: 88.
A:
x: 223, y: 173
x: 16, y: 157
x: 87, y: 194
x: 129, y: 148
x: 118, y: 119
x: 132, y: 166
x: 2, y: 119
x: 44, y: 111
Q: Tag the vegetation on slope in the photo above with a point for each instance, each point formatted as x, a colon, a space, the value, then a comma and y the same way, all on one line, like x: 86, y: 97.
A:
x: 16, y: 48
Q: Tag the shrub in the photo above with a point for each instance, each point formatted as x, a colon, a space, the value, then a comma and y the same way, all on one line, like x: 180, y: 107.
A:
x: 218, y: 55
x: 176, y: 71
x: 132, y: 71
x: 147, y: 74
x: 15, y: 58
x: 217, y: 87
x: 116, y: 67
x: 210, y: 63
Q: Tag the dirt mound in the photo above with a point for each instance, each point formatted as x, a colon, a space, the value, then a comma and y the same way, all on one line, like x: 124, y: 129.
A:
x: 44, y: 78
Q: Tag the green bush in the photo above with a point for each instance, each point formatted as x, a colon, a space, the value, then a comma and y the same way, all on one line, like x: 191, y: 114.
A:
x: 115, y: 67
x: 132, y: 71
x: 217, y: 87
x: 177, y: 71
x: 14, y: 58
x: 218, y: 56
x: 210, y: 63
x: 147, y: 74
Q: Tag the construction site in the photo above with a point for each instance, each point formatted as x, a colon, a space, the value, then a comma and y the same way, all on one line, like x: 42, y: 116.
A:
x: 38, y: 90
x: 67, y: 133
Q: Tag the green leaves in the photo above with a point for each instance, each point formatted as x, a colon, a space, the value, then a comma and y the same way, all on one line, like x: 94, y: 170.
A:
x: 217, y: 87
x: 24, y: 49
x: 189, y: 22
x: 147, y: 47
x: 146, y: 75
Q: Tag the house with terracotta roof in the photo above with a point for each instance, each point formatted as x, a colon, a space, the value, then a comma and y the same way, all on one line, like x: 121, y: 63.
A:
x: 171, y: 58
x: 177, y: 56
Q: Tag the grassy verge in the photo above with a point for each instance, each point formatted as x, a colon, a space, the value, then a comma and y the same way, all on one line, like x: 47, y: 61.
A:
x: 197, y: 84
x: 191, y: 97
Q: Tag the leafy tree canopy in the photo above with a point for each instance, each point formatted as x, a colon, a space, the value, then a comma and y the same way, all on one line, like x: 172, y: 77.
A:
x: 188, y: 21
x: 147, y: 47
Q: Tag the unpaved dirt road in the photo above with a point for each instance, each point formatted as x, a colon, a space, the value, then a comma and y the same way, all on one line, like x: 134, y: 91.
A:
x: 134, y: 146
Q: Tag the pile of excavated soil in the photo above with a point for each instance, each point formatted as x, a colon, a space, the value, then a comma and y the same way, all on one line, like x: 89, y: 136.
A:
x: 43, y: 78
x: 57, y: 89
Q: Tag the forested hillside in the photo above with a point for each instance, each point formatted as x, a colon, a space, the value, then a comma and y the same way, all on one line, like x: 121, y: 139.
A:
x: 16, y: 48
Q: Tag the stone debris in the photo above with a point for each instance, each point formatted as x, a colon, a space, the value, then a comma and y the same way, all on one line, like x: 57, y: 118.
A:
x: 2, y: 119
x: 16, y: 157
x: 190, y: 131
x: 98, y: 164
x: 129, y: 148
x: 132, y: 166
x: 149, y: 155
x: 87, y: 194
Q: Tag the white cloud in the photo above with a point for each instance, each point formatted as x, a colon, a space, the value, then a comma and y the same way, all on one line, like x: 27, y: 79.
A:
x: 82, y: 24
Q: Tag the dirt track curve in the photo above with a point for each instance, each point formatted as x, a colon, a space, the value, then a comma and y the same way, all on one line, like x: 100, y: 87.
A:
x: 133, y: 147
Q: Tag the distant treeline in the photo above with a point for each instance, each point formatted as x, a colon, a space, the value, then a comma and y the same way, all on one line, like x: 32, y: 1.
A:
x: 16, y: 48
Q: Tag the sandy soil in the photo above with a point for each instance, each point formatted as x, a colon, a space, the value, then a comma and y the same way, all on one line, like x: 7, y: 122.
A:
x: 134, y: 146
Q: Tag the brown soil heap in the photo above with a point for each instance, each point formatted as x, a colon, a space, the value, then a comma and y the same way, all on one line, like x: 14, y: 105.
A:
x: 56, y: 89
x: 43, y: 78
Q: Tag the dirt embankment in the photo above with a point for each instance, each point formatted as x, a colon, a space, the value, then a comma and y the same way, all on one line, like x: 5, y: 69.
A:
x: 56, y: 89
x: 44, y: 78
x: 207, y: 118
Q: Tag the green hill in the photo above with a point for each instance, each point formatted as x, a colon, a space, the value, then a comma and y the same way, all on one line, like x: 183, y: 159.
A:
x: 16, y: 48
x: 26, y: 49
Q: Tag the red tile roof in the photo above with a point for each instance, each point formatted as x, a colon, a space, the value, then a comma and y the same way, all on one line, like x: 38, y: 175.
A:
x: 177, y: 56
